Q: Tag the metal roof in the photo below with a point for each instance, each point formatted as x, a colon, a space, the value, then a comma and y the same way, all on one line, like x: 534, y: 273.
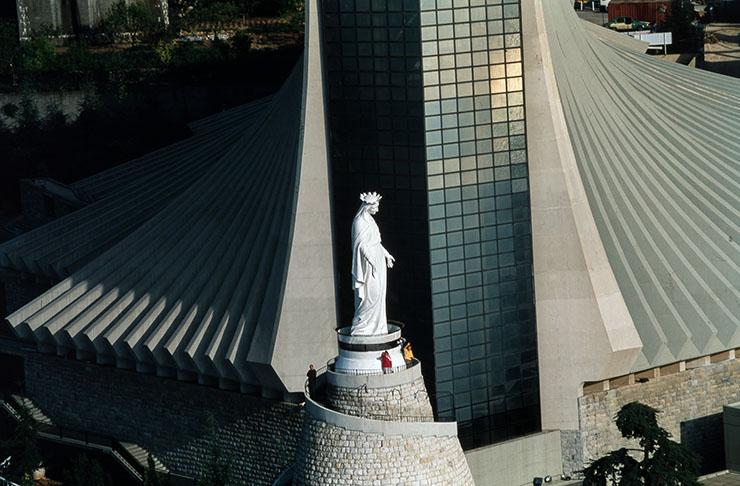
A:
x: 658, y: 149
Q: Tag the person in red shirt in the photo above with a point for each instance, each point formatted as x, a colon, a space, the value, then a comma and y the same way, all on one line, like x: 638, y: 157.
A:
x: 385, y: 362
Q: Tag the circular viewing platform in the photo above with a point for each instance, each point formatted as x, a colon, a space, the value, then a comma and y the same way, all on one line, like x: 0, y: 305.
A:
x: 361, y: 355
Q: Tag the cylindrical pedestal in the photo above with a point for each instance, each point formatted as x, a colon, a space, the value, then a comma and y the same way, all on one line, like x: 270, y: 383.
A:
x: 361, y: 354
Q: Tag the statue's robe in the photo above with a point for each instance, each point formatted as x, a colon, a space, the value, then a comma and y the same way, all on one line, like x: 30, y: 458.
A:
x: 369, y: 285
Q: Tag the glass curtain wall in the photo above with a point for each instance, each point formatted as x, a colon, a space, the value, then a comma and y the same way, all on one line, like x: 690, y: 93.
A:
x: 426, y: 106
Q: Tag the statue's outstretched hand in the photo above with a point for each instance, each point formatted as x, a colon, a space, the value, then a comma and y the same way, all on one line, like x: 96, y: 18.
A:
x: 389, y: 260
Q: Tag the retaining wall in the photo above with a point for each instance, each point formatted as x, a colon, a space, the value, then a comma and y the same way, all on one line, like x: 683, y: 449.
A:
x: 167, y: 417
x: 329, y: 454
x: 406, y: 402
x: 691, y: 402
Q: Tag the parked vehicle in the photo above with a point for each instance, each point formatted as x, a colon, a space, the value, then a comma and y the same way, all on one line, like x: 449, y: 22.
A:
x: 626, y: 23
x: 581, y: 4
x: 604, y: 5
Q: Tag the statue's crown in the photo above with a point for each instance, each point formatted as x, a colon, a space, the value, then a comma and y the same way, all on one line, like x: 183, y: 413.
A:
x: 370, y: 197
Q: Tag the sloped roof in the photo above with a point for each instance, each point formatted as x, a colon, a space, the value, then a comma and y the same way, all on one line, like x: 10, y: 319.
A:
x: 658, y: 149
x: 209, y: 260
x: 126, y: 196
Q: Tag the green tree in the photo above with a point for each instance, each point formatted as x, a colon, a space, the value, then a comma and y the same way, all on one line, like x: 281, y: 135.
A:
x: 86, y: 471
x: 134, y: 21
x: 218, y: 464
x: 151, y: 476
x: 664, y: 461
x: 23, y: 449
x: 680, y: 20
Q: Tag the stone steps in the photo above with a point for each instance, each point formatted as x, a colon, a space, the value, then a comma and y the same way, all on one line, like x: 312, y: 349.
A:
x: 140, y: 455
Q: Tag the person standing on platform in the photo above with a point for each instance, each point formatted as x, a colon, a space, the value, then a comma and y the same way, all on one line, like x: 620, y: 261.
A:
x: 408, y: 354
x: 311, y: 380
x: 385, y: 362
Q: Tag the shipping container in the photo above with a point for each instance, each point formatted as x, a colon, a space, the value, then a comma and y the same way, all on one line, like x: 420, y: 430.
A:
x: 652, y: 11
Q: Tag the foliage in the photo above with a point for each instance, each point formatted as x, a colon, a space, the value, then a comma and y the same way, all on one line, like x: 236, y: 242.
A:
x: 664, y: 462
x: 680, y: 20
x: 23, y: 449
x: 134, y: 22
x: 36, y: 53
x: 10, y: 110
x: 164, y: 50
x: 151, y: 476
x: 86, y: 471
x: 54, y: 118
x: 242, y: 42
x: 218, y: 464
x: 9, y: 45
x: 28, y: 116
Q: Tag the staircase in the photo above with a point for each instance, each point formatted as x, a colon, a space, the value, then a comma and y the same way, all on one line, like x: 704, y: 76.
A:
x: 131, y: 457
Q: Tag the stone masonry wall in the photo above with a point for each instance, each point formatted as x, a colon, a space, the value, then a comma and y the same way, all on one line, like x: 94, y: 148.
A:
x: 407, y: 402
x: 332, y: 455
x: 691, y: 402
x: 167, y: 417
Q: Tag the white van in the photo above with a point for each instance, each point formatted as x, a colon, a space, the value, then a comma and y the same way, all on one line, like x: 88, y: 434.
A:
x: 604, y: 5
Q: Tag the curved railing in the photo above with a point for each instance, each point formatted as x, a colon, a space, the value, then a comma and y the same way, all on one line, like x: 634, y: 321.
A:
x: 377, y: 426
x: 321, y: 384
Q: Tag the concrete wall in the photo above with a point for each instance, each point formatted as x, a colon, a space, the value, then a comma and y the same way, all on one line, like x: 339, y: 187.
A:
x: 731, y: 416
x: 167, y: 417
x: 691, y: 402
x: 516, y: 462
x: 584, y: 330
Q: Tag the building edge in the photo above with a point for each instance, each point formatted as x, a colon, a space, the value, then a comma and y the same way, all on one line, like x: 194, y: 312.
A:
x: 584, y: 328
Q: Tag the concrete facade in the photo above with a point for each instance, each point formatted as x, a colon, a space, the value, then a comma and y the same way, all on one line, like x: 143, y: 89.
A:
x: 579, y: 306
x: 516, y: 462
x: 731, y: 423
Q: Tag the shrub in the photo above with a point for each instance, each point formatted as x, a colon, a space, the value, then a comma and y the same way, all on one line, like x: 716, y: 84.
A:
x: 9, y: 45
x: 37, y: 53
x: 29, y: 118
x: 241, y: 41
x: 134, y: 22
x: 86, y: 472
x: 164, y: 50
x: 54, y: 117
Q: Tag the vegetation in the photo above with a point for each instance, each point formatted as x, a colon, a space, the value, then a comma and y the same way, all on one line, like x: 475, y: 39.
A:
x: 151, y: 476
x: 219, y: 463
x: 23, y: 450
x: 86, y: 471
x: 132, y: 45
x: 680, y: 20
x: 664, y: 462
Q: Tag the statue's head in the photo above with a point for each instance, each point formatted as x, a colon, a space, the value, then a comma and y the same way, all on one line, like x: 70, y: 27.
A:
x: 371, y: 201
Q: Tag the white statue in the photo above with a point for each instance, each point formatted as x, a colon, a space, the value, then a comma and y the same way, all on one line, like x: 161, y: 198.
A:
x: 369, y: 274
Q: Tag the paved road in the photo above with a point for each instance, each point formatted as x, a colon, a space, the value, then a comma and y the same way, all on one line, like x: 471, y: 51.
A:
x: 599, y: 18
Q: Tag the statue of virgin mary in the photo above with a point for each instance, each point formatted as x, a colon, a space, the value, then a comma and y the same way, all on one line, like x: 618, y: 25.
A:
x: 369, y: 274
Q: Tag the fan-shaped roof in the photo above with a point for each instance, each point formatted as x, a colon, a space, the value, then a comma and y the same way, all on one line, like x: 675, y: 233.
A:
x: 210, y: 259
x: 658, y: 150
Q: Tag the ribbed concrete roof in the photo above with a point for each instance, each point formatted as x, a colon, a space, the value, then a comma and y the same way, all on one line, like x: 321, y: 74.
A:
x: 126, y: 196
x: 210, y: 259
x: 658, y: 148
